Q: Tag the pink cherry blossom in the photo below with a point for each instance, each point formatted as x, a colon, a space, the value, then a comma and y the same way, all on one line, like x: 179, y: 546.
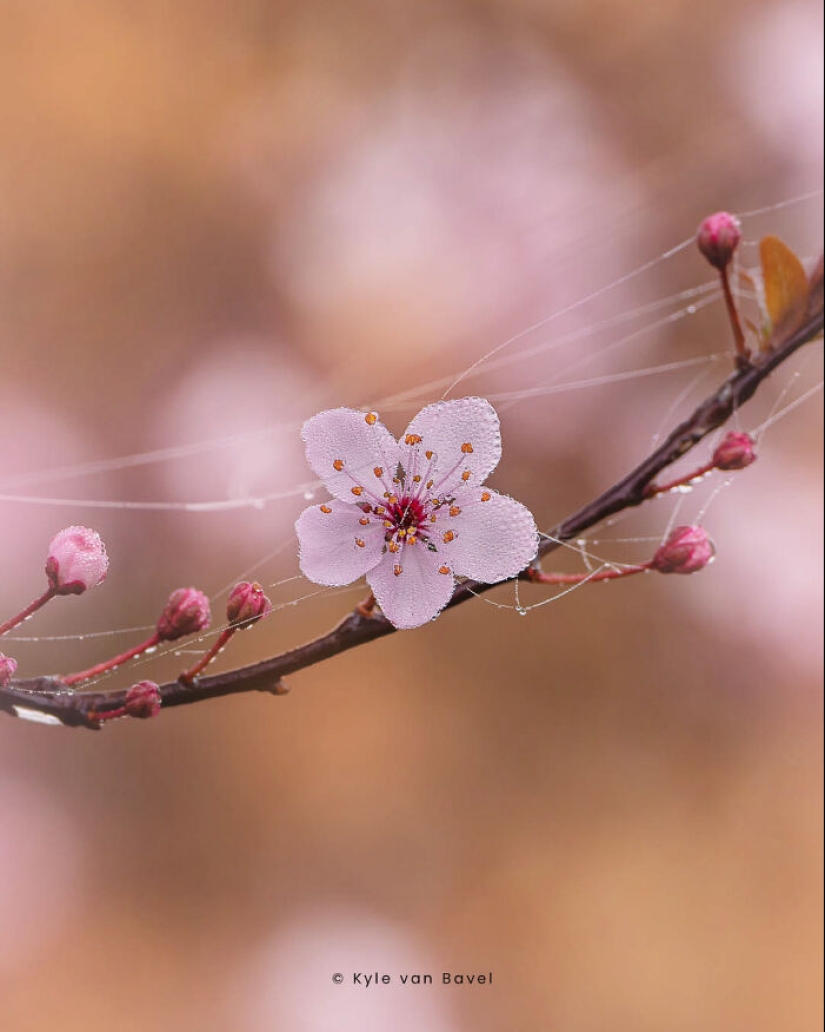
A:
x: 412, y: 514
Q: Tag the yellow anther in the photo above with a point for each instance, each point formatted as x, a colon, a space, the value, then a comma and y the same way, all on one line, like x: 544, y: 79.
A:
x: 412, y: 439
x: 397, y: 569
x: 429, y: 455
x: 467, y: 448
x: 448, y: 536
x: 416, y: 479
x: 371, y: 418
x: 443, y: 569
x: 357, y: 490
x: 338, y: 464
x: 325, y: 508
x: 393, y: 546
x: 379, y: 471
x: 359, y: 542
x: 486, y: 496
x: 454, y: 510
x: 465, y: 476
x: 430, y: 484
x: 364, y: 521
x: 389, y: 524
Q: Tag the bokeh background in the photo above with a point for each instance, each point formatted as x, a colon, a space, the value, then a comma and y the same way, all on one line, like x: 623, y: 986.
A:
x: 217, y: 219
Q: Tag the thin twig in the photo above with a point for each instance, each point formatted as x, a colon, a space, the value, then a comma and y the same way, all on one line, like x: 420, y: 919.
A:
x: 46, y: 697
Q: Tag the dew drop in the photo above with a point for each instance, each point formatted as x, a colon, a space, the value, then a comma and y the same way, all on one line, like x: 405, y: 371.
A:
x: 309, y: 495
x: 151, y: 649
x: 691, y: 309
x: 683, y: 489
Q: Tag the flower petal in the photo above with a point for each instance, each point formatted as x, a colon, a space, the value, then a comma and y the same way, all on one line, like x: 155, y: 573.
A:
x: 328, y: 537
x: 494, y: 539
x: 418, y: 593
x: 345, y: 448
x: 463, y: 435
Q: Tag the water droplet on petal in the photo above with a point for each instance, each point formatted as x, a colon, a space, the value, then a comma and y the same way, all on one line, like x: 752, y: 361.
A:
x: 309, y: 495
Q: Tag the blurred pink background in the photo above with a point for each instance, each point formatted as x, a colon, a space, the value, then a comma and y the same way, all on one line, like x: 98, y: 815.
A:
x: 216, y: 220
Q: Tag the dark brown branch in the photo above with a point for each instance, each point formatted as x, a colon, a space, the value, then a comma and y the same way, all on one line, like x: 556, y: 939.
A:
x: 47, y: 697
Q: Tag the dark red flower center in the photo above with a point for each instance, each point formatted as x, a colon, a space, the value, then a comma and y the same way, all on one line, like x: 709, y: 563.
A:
x: 407, y: 514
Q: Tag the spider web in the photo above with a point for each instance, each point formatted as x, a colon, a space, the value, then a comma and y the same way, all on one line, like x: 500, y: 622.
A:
x: 548, y: 359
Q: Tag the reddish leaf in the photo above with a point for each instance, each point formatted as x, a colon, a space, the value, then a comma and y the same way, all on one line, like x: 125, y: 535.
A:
x: 785, y: 283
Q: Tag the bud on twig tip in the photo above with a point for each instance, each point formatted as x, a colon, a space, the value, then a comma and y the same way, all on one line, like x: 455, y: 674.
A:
x: 718, y: 237
x: 8, y: 668
x: 76, y: 561
x: 686, y: 550
x: 246, y: 604
x: 734, y: 451
x: 186, y: 612
x: 143, y: 700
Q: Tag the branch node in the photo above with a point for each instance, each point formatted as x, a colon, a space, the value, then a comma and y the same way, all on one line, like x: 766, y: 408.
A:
x: 366, y: 607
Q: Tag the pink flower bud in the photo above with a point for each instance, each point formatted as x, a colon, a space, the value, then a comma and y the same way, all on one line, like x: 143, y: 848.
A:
x: 735, y: 451
x: 143, y: 700
x: 718, y: 237
x: 77, y: 560
x: 8, y: 668
x: 186, y: 612
x: 246, y: 604
x: 687, y: 550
